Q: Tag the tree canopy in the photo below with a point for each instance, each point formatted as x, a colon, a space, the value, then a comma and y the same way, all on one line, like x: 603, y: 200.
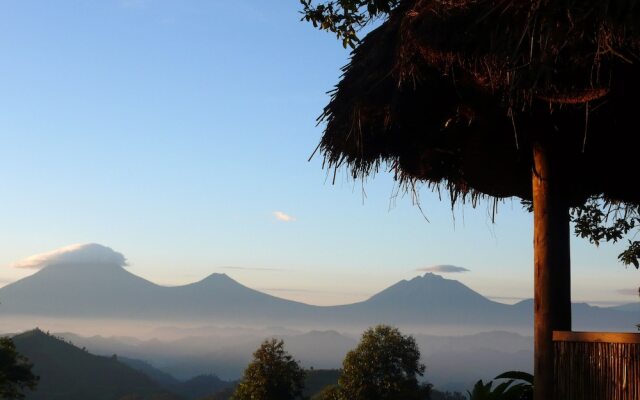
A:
x: 346, y: 17
x: 272, y: 375
x: 384, y: 366
x: 15, y: 372
x: 331, y: 392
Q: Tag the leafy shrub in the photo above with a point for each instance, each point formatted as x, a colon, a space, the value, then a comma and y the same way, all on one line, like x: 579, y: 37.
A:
x: 517, y: 386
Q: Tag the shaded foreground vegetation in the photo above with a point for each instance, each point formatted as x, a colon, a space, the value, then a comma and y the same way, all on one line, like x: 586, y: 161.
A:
x: 384, y: 366
x: 15, y: 371
x: 273, y: 374
x: 68, y: 372
x: 513, y: 385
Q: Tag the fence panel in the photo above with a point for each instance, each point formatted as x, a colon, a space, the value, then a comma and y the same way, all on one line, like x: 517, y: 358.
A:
x: 597, y: 366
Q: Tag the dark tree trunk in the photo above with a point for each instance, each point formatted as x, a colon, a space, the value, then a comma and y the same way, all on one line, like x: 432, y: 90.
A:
x: 552, y: 280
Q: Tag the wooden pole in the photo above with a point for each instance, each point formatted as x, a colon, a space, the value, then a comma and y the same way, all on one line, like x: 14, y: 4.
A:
x: 552, y: 280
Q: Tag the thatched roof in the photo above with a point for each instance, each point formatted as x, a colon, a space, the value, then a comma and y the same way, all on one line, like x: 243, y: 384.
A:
x: 455, y: 92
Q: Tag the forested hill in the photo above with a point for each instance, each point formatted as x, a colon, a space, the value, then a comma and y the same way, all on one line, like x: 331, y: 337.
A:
x: 69, y: 373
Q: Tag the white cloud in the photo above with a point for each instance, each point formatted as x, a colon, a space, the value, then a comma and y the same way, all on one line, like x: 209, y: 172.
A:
x: 445, y: 269
x: 89, y: 253
x: 280, y: 216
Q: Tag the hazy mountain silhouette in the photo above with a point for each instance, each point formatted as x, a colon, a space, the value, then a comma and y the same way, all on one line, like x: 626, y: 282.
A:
x: 592, y: 318
x: 74, y: 289
x: 631, y: 307
x: 190, y: 356
x: 110, y: 291
x: 191, y: 389
x: 220, y: 296
x: 163, y: 378
x: 432, y: 299
x: 431, y: 289
x: 103, y: 290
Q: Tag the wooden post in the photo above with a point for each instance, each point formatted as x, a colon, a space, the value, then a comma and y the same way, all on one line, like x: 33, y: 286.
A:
x: 552, y: 269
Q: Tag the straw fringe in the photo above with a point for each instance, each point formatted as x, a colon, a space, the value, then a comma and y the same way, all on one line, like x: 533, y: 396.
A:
x: 438, y: 90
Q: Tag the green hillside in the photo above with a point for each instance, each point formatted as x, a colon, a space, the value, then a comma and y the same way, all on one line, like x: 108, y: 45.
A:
x: 69, y: 373
x: 192, y: 389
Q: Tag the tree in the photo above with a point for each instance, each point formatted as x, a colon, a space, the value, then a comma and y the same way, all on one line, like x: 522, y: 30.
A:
x: 331, y: 392
x: 272, y: 375
x: 223, y: 394
x: 498, y: 99
x: 385, y: 366
x: 15, y: 372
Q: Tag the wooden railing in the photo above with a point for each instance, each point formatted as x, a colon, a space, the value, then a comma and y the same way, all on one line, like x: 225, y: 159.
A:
x: 596, y: 366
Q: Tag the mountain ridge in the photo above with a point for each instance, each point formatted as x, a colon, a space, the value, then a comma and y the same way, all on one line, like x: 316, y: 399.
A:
x: 85, y: 290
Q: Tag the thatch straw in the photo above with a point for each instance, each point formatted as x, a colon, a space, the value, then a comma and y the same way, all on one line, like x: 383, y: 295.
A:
x: 455, y: 92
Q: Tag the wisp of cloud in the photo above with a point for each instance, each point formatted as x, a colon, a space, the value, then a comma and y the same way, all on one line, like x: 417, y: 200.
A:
x: 445, y: 269
x: 280, y: 216
x: 90, y: 253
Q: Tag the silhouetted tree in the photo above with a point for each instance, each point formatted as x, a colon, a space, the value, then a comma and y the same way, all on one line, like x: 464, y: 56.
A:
x: 272, y: 375
x: 436, y: 395
x: 384, y: 366
x: 15, y: 372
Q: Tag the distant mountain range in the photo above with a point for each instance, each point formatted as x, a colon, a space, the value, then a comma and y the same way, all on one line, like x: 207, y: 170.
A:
x: 453, y: 362
x: 110, y: 291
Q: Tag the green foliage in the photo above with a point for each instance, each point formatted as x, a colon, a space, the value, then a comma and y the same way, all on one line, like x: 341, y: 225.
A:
x: 600, y: 220
x: 345, y: 17
x: 516, y: 386
x: 331, y: 392
x: 631, y: 255
x: 224, y: 394
x: 272, y: 375
x: 436, y: 395
x: 15, y: 372
x: 385, y: 365
x: 317, y: 380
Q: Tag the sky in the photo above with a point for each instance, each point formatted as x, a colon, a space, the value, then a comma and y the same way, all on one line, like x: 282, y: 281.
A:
x: 178, y: 133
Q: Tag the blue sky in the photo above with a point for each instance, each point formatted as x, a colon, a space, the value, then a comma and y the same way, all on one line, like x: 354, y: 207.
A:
x: 172, y: 131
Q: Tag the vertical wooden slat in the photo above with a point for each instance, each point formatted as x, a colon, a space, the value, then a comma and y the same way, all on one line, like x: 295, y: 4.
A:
x: 596, y: 366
